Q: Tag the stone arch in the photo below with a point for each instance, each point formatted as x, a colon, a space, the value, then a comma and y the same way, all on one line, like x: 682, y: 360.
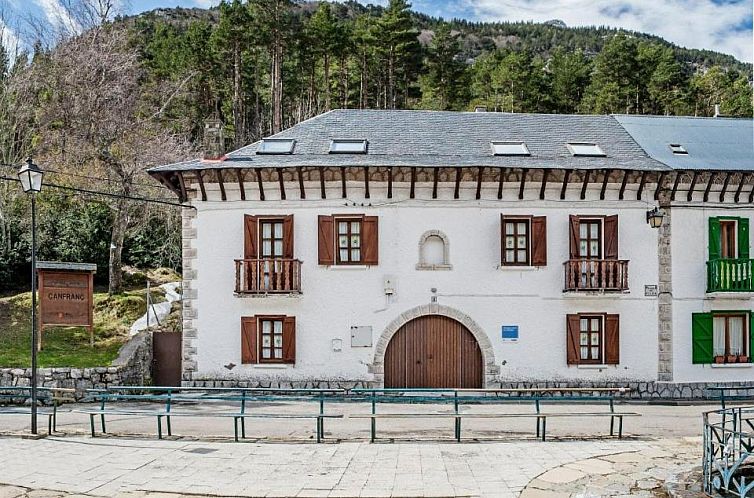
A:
x: 423, y: 264
x: 377, y: 368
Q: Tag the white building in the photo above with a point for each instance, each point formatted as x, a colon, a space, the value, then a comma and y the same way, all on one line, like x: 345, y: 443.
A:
x: 440, y: 249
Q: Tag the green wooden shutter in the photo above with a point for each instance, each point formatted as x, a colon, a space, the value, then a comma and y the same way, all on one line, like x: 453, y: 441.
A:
x: 743, y: 238
x: 714, y: 238
x: 701, y: 338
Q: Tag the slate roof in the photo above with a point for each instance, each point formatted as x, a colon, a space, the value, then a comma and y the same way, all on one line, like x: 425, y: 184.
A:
x: 445, y: 139
x: 712, y: 143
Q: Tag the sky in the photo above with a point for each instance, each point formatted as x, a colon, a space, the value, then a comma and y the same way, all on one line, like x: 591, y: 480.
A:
x: 720, y: 25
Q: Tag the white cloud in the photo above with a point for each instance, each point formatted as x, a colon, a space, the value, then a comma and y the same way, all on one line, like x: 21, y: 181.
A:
x: 689, y: 23
x: 57, y: 16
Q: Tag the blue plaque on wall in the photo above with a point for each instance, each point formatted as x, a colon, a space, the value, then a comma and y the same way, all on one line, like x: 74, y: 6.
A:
x: 510, y: 333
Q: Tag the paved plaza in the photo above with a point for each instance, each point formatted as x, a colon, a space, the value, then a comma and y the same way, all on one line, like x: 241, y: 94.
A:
x: 412, y: 459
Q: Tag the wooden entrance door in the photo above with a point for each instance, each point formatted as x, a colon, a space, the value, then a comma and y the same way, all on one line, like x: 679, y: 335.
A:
x: 166, y: 358
x: 433, y: 351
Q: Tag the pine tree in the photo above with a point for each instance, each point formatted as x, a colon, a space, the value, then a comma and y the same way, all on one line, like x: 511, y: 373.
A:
x: 323, y: 33
x: 398, y: 46
x: 569, y: 75
x: 443, y: 82
x: 615, y: 79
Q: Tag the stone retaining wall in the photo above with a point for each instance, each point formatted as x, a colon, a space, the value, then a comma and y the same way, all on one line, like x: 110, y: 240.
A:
x: 132, y: 367
x: 639, y: 390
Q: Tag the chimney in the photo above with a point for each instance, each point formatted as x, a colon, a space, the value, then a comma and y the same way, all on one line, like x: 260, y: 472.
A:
x: 214, y: 139
x: 480, y: 108
x: 717, y: 111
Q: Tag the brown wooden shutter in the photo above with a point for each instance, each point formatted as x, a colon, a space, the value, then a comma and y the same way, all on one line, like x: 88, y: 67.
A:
x: 611, y: 237
x: 250, y: 249
x: 326, y: 240
x: 573, y: 250
x: 288, y: 237
x: 289, y: 339
x: 249, y: 339
x: 539, y: 241
x: 370, y: 241
x: 502, y: 239
x: 572, y: 339
x: 612, y: 339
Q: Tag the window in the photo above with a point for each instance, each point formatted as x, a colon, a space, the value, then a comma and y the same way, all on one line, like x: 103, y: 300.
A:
x: 678, y: 149
x: 523, y: 240
x: 721, y: 337
x: 593, y: 339
x: 590, y: 239
x: 348, y: 146
x: 349, y: 241
x: 729, y: 338
x: 590, y: 339
x: 271, y: 238
x: 276, y: 146
x: 268, y: 339
x: 516, y: 241
x: 509, y: 149
x: 585, y: 149
x: 728, y: 239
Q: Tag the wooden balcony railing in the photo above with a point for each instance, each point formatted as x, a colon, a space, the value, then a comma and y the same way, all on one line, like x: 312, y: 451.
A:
x: 596, y: 275
x: 730, y: 275
x: 268, y: 276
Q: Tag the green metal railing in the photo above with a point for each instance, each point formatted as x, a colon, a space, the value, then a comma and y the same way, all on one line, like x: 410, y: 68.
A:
x: 730, y: 275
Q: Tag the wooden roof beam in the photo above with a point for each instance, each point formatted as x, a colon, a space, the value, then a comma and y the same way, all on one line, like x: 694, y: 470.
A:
x: 709, y: 186
x: 412, y: 191
x: 584, y: 185
x: 281, y: 183
x: 366, y: 182
x: 500, y: 182
x: 343, y: 191
x: 457, y: 190
x: 690, y: 194
x: 524, y: 172
x: 566, y: 177
x: 605, y: 179
x: 322, y: 192
x: 725, y: 185
x: 623, y: 183
x: 259, y: 183
x: 642, y: 183
x: 219, y: 175
x: 480, y: 171
x: 660, y: 180
x: 300, y: 175
x: 736, y: 197
x: 239, y: 177
x: 390, y: 182
x: 436, y: 174
x: 545, y: 174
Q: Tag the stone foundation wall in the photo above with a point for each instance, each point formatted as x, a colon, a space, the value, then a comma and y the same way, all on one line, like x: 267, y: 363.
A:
x: 639, y: 390
x: 132, y: 367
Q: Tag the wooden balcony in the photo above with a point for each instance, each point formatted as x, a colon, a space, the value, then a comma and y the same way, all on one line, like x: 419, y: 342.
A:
x: 603, y: 275
x: 268, y: 276
x: 730, y: 275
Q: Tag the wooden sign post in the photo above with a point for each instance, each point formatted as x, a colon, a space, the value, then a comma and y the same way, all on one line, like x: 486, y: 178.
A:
x: 66, y: 296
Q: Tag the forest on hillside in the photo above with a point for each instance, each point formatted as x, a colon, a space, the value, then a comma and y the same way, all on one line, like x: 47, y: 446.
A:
x: 100, y: 105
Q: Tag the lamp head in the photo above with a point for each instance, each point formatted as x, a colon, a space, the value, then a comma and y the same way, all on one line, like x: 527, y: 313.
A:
x: 30, y: 176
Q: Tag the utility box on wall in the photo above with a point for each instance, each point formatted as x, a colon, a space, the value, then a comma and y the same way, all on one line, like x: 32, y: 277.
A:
x: 361, y: 336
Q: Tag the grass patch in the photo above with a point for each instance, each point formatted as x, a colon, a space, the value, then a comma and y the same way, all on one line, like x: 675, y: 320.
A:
x: 69, y: 347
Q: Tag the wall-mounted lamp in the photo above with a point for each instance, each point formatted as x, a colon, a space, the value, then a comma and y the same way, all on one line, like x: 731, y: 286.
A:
x: 654, y: 217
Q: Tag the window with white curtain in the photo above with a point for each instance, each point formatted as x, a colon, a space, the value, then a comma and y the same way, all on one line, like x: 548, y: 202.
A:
x: 730, y: 335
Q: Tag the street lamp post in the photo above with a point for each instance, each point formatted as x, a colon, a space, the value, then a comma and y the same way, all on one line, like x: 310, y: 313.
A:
x: 30, y: 176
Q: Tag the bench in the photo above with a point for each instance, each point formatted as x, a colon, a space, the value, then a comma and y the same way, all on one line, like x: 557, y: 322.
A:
x: 490, y: 396
x: 11, y: 397
x: 173, y: 397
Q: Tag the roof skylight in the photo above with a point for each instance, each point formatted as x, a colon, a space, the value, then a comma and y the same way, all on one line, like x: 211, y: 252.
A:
x: 348, y: 146
x: 585, y: 149
x: 509, y: 149
x: 678, y: 149
x: 276, y: 146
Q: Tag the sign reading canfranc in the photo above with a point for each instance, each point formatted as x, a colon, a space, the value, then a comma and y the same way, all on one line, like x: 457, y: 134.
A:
x: 66, y: 295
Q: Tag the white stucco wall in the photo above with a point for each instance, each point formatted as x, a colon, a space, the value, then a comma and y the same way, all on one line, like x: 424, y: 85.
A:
x: 690, y: 251
x: 336, y: 298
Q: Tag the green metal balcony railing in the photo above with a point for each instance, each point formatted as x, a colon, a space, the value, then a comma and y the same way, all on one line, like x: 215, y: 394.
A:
x: 730, y: 275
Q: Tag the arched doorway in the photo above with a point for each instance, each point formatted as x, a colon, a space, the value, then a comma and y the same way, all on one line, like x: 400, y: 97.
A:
x: 433, y: 351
